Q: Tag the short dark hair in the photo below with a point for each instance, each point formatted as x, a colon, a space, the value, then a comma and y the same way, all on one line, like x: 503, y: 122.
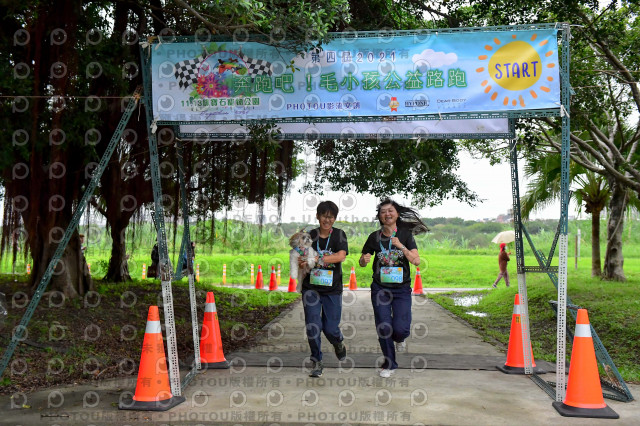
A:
x: 327, y: 207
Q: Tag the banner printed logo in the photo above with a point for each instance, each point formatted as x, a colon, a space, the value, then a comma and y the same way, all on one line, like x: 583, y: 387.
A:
x: 517, y: 68
x: 221, y: 74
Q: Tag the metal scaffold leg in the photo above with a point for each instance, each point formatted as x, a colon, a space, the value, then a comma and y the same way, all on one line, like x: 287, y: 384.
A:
x: 20, y: 330
x: 186, y: 241
x: 164, y: 265
x: 522, y: 282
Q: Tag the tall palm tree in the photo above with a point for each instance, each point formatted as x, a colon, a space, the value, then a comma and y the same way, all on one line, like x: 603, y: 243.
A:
x: 544, y: 188
x: 591, y: 191
x: 594, y: 194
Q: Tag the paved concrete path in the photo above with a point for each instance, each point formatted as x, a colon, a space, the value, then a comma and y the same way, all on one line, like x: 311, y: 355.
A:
x: 447, y: 377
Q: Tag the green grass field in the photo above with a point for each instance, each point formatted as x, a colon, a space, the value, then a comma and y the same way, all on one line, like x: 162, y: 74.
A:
x: 437, y: 269
x: 455, y: 253
x: 447, y: 261
x: 613, y: 307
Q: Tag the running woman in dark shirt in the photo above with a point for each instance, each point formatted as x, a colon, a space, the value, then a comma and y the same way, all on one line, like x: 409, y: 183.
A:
x: 392, y: 248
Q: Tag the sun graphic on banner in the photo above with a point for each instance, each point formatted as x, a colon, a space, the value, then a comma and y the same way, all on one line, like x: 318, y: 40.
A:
x: 516, y: 70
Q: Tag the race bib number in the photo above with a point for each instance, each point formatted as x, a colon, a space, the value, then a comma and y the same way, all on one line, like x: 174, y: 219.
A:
x: 391, y: 275
x: 322, y: 277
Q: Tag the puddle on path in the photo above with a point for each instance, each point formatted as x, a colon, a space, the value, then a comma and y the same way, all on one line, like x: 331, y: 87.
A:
x: 466, y: 301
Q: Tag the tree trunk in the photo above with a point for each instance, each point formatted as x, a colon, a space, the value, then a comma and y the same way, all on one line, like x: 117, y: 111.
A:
x: 56, y: 172
x: 70, y: 276
x: 596, y: 267
x: 124, y: 188
x: 613, y: 259
x: 118, y: 270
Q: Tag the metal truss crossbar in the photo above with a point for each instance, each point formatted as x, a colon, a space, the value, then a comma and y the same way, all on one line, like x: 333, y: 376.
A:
x: 532, y: 113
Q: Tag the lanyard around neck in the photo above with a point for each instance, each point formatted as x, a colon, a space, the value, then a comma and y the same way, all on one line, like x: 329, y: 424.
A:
x: 328, y: 238
x: 392, y: 235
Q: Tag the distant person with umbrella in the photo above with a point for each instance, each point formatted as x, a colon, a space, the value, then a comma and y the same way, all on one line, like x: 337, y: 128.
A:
x: 503, y: 259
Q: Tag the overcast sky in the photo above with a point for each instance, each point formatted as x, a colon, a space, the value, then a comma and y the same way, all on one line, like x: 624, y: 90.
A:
x: 491, y: 183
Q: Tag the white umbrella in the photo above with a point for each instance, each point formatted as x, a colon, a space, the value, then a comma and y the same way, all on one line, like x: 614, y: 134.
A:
x: 504, y: 237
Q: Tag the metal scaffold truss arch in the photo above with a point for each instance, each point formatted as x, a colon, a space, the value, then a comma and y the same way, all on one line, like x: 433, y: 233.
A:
x: 489, y: 124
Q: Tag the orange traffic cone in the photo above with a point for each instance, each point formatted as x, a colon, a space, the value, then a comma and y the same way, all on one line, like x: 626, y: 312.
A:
x: 292, y: 285
x: 417, y: 286
x: 259, y: 283
x: 353, y: 284
x: 584, y: 393
x: 211, y: 355
x: 28, y: 269
x: 515, y: 355
x: 273, y: 284
x: 152, y: 388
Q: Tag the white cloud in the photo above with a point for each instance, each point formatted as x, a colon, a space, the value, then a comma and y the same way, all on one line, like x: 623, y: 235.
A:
x: 434, y: 59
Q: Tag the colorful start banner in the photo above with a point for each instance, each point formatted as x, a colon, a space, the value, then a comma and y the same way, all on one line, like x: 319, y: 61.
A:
x: 394, y: 75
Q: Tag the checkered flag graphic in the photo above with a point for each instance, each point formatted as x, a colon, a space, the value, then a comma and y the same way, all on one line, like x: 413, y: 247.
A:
x: 187, y: 71
x: 256, y: 66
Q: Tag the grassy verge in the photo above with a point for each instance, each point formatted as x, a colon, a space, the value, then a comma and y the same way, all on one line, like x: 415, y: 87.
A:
x: 71, y: 341
x: 614, y: 312
x: 438, y: 269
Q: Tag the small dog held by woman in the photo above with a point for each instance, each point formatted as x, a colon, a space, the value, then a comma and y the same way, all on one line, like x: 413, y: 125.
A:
x: 300, y: 243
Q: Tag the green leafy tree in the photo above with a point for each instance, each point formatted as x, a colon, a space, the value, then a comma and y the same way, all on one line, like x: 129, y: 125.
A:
x: 606, y: 103
x: 590, y: 192
x: 54, y: 64
x: 41, y: 68
x: 423, y: 171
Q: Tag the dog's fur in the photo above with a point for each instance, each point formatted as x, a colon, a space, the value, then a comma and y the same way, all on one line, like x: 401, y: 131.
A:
x: 301, y: 240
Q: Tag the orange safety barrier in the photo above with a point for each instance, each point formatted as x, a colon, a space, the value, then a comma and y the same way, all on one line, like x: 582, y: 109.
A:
x: 273, y: 283
x: 279, y: 276
x: 353, y: 284
x: 153, y: 392
x: 292, y: 285
x: 211, y: 353
x: 417, y: 285
x: 515, y: 354
x: 584, y: 392
x: 259, y: 281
